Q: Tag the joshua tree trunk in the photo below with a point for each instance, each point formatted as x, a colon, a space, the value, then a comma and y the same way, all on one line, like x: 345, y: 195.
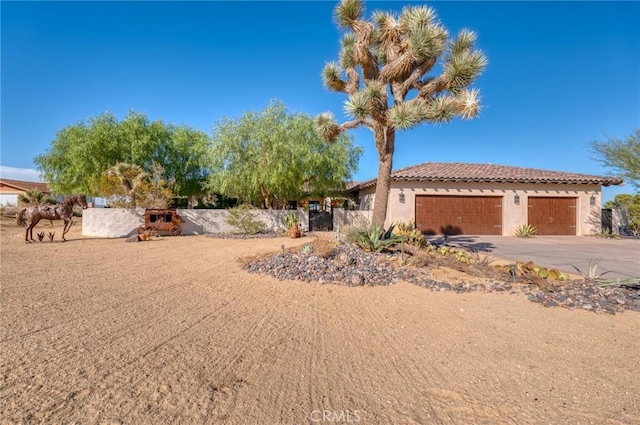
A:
x: 385, y: 143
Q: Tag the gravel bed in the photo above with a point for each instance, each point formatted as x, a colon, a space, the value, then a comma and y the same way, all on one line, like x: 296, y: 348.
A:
x: 591, y: 297
x: 350, y: 266
x: 344, y: 265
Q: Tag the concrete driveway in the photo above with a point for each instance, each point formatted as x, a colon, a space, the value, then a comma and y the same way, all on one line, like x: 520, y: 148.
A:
x: 618, y: 257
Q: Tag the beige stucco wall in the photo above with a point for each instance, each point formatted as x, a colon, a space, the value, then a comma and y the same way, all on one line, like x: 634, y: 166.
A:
x: 513, y: 216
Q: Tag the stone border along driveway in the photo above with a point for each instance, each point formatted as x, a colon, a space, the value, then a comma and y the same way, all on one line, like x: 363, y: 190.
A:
x: 617, y: 257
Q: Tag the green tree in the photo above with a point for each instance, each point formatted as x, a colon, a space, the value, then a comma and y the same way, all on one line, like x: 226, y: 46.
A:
x: 82, y: 153
x: 623, y: 156
x: 272, y: 156
x: 384, y: 67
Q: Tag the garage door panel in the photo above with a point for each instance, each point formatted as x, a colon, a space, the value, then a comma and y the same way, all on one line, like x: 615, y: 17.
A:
x: 553, y: 215
x: 458, y: 215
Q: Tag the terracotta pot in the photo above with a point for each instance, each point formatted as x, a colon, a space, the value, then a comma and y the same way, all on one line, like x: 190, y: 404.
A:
x: 294, y: 233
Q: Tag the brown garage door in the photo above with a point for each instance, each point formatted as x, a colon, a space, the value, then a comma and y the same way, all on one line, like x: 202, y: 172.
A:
x: 459, y: 215
x: 553, y: 216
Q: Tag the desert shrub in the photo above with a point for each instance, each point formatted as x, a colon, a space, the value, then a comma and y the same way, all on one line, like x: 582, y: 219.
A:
x: 242, y: 218
x: 459, y: 254
x: 526, y: 231
x: 291, y: 220
x: 373, y: 237
x: 410, y: 234
x: 34, y: 197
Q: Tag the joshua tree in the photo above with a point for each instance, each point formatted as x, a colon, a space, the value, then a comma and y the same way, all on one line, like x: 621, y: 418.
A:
x: 384, y: 70
x: 130, y: 176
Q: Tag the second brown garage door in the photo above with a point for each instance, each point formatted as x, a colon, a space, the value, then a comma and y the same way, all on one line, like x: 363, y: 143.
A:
x: 459, y: 215
x: 553, y: 216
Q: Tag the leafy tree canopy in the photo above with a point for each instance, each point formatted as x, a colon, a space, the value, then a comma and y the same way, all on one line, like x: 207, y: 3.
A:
x: 272, y: 156
x: 82, y: 153
x: 623, y: 156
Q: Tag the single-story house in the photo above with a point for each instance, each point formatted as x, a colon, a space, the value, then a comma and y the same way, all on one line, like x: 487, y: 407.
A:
x: 487, y: 199
x: 10, y: 189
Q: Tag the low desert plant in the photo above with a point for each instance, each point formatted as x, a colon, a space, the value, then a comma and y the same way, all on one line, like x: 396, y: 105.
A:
x: 457, y: 253
x: 526, y: 231
x: 373, y: 237
x: 482, y: 259
x: 606, y: 233
x: 592, y: 272
x: 244, y: 220
x: 631, y: 282
x: 307, y: 249
x: 410, y: 234
x: 291, y: 220
x: 532, y: 269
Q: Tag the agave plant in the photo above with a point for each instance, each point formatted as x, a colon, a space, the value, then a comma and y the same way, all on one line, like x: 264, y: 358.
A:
x: 374, y: 238
x: 592, y: 272
x: 307, y: 249
x: 526, y: 231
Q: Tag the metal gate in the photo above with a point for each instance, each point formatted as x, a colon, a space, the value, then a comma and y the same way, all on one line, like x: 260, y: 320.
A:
x: 321, y: 221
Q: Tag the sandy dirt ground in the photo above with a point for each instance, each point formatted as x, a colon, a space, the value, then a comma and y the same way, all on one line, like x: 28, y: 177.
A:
x: 173, y: 331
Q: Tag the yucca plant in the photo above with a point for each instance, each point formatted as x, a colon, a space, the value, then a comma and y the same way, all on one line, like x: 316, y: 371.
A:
x: 397, y: 72
x: 526, y: 231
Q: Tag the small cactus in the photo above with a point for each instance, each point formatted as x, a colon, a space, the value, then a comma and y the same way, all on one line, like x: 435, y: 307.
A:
x: 40, y: 236
x: 51, y: 235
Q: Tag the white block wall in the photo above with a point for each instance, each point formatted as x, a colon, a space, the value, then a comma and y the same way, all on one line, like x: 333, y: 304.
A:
x: 111, y: 222
x: 122, y: 222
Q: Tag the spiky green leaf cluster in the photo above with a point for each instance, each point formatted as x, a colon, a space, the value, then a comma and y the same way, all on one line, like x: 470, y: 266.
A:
x: 326, y: 126
x: 349, y: 11
x: 406, y: 115
x: 331, y: 77
x: 358, y: 105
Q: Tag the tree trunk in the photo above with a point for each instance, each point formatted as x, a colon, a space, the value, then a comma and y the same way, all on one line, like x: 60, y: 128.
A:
x: 385, y: 143
x: 266, y: 196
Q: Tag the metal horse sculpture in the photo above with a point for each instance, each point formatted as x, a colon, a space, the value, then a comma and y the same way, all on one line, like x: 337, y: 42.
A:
x: 60, y: 211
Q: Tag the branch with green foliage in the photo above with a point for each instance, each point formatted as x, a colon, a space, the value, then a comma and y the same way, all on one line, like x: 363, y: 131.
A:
x: 623, y: 156
x: 384, y: 69
x: 267, y: 158
x: 82, y: 153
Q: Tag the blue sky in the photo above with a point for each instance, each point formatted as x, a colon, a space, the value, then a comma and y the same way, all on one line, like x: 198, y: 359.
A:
x: 560, y: 74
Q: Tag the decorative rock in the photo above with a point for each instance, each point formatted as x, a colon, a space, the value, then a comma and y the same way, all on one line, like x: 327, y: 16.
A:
x: 348, y: 265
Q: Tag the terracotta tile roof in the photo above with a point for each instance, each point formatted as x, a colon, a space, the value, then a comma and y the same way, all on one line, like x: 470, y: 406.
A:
x: 461, y: 172
x: 23, y: 185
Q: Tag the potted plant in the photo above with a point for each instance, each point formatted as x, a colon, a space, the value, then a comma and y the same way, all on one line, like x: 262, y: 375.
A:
x: 291, y: 221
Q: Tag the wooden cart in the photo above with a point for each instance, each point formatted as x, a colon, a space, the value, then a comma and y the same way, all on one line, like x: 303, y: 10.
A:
x: 162, y: 220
